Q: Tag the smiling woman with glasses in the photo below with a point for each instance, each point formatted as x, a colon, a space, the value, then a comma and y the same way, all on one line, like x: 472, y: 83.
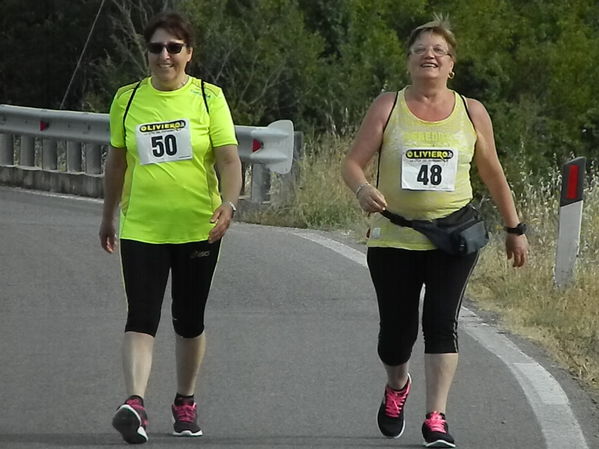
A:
x: 170, y: 134
x: 170, y: 48
x: 425, y: 136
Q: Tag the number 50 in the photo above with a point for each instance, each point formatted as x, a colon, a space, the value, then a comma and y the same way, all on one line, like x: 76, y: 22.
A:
x: 164, y: 144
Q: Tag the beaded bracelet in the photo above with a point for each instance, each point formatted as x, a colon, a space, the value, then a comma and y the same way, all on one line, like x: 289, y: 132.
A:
x: 360, y: 187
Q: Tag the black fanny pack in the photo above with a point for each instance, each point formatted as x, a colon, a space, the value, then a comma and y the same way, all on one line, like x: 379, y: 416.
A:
x: 461, y: 232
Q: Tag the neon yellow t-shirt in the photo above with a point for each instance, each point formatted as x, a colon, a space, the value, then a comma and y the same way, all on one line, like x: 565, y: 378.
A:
x: 424, y: 172
x: 170, y: 188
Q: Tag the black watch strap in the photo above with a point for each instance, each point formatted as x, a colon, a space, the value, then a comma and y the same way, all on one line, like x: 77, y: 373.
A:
x: 518, y: 230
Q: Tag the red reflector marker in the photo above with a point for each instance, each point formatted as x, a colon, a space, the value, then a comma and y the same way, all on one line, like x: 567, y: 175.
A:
x: 256, y: 145
x: 44, y: 125
x: 572, y: 191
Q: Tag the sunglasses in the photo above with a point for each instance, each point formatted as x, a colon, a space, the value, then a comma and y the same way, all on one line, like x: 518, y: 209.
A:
x: 172, y: 47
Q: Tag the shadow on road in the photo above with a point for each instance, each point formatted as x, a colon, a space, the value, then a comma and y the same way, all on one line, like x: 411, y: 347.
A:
x: 159, y: 440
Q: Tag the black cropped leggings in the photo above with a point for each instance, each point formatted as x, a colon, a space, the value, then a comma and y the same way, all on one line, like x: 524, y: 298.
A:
x: 398, y: 276
x: 146, y: 268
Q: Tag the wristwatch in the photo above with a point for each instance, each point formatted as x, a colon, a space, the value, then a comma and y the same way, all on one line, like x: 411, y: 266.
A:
x: 518, y: 230
x: 233, y: 207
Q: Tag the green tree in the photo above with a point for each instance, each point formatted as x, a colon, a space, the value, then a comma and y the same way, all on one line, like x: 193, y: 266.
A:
x: 322, y: 62
x: 372, y: 58
x: 41, y: 42
x: 260, y: 52
x: 529, y: 64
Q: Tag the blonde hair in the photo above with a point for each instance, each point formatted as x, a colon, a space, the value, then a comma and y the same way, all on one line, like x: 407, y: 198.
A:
x: 439, y: 25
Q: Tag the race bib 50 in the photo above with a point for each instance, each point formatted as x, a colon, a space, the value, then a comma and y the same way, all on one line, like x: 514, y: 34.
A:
x: 163, y: 141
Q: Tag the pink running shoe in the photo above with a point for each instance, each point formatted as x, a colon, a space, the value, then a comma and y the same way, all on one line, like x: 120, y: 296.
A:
x: 391, y: 412
x: 436, y: 431
x: 131, y: 421
x: 185, y: 418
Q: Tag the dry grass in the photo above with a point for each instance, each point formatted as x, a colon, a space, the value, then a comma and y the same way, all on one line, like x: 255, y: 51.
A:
x: 321, y: 200
x: 564, y: 321
x: 525, y: 300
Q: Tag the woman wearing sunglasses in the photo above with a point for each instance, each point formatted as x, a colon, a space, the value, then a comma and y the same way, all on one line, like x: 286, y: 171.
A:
x: 426, y: 137
x: 170, y: 134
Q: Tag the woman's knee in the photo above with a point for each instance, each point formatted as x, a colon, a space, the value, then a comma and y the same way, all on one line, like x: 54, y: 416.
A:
x: 188, y: 328
x: 394, y: 346
x: 142, y: 323
x: 441, y: 339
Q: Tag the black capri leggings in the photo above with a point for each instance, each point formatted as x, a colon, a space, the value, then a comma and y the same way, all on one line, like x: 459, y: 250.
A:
x: 398, y: 276
x: 146, y: 268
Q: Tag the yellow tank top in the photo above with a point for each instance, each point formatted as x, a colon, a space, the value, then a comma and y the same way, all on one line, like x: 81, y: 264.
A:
x: 424, y: 172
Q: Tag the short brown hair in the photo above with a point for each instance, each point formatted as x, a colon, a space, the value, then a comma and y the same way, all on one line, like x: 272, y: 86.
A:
x: 171, y: 22
x: 439, y: 25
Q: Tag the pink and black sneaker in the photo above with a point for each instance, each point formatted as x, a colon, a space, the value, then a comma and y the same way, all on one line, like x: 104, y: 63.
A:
x: 390, y: 417
x: 131, y: 421
x: 436, y: 431
x: 185, y: 418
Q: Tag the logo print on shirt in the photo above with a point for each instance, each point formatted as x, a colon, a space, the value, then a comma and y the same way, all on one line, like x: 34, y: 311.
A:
x: 444, y: 155
x: 153, y: 127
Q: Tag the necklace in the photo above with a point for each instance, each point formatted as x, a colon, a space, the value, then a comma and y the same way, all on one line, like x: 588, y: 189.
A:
x: 183, y: 82
x: 156, y: 83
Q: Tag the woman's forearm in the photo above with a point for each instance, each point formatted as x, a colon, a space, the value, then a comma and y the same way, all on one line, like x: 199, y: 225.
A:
x: 228, y: 165
x: 114, y: 176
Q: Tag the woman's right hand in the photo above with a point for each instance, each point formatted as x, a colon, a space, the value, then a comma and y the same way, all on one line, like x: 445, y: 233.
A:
x: 107, y: 236
x: 371, y: 200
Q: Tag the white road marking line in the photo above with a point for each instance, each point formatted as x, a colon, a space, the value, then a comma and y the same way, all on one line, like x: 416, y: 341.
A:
x: 346, y: 251
x: 54, y: 194
x: 545, y: 395
x: 544, y: 384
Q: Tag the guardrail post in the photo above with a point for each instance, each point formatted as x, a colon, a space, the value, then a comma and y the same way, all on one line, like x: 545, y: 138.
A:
x: 49, y: 153
x: 73, y: 156
x: 289, y: 180
x: 93, y: 159
x: 260, y: 183
x: 27, y: 151
x: 7, y: 149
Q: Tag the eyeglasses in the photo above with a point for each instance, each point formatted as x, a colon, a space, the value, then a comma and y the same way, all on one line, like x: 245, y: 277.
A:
x: 437, y: 50
x: 172, y: 47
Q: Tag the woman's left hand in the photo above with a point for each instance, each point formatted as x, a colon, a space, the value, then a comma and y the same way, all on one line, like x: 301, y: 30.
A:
x: 516, y: 247
x: 222, y: 216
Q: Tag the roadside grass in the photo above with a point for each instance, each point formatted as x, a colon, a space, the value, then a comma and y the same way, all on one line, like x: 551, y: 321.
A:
x: 321, y: 199
x: 526, y: 301
x: 563, y: 320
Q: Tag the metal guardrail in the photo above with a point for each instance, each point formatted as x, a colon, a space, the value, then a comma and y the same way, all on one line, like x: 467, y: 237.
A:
x: 63, y: 151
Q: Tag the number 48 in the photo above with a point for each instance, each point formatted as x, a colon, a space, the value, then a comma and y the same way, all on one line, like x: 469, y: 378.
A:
x: 434, y: 177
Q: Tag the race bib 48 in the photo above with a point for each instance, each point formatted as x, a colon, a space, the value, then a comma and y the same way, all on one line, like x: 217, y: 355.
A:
x: 429, y: 169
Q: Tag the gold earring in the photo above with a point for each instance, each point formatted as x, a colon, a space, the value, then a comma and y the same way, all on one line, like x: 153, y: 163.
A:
x: 451, y: 75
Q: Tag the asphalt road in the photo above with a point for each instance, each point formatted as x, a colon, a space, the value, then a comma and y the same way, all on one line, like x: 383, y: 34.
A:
x: 291, y: 362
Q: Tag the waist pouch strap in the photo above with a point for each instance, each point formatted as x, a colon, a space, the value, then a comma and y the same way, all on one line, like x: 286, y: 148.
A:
x: 461, y: 232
